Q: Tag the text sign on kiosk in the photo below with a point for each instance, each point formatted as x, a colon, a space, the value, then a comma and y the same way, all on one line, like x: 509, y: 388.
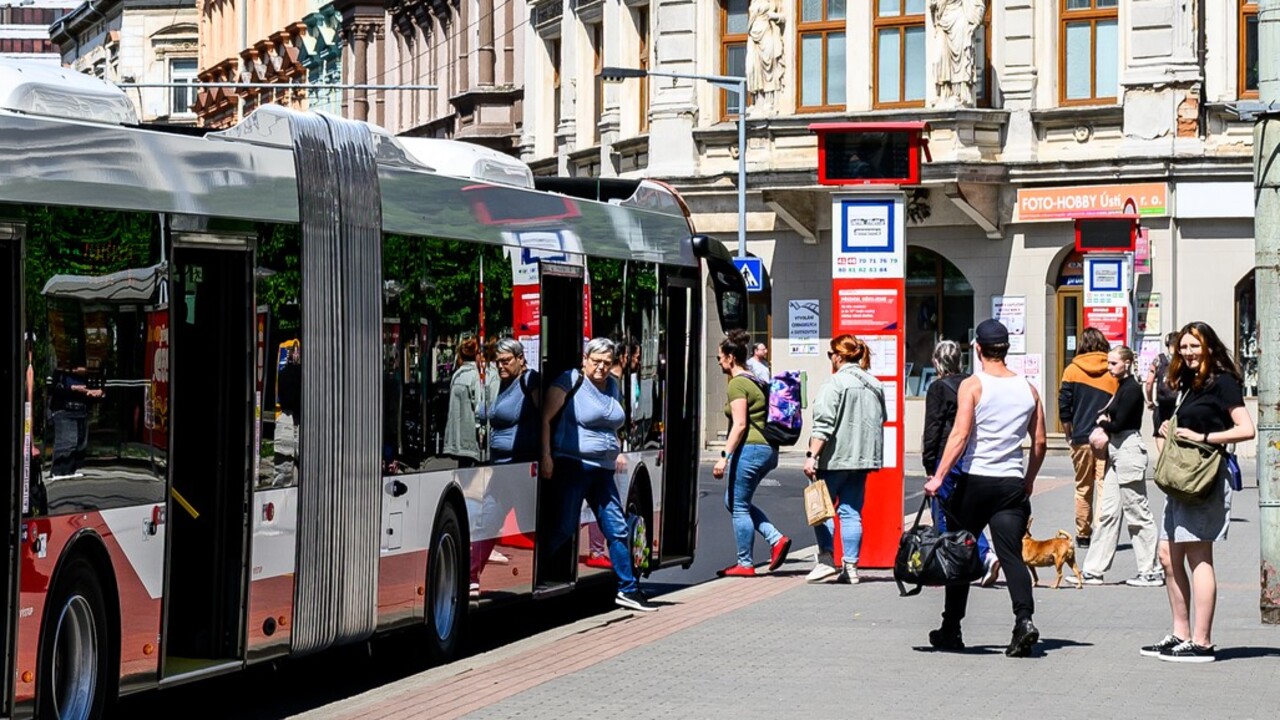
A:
x: 874, y: 153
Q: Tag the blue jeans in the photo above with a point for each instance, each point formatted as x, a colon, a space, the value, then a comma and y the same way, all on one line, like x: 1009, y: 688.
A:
x: 747, y: 467
x: 848, y: 488
x: 940, y: 518
x: 596, y: 486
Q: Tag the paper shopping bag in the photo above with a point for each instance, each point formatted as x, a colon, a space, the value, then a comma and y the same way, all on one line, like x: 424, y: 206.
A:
x: 817, y: 503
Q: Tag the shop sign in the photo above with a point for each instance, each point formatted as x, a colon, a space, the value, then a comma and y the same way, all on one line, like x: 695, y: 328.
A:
x: 1068, y: 203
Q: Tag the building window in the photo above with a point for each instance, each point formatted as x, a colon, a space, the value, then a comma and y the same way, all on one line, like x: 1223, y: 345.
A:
x: 1089, y: 54
x: 182, y: 71
x: 553, y: 52
x: 1248, y: 48
x: 642, y: 33
x: 597, y: 65
x: 899, y: 53
x: 939, y: 307
x: 984, y: 79
x: 733, y: 52
x: 821, y: 43
x: 1247, y: 332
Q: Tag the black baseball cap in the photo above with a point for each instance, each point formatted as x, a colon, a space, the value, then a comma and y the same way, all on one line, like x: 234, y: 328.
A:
x: 991, y: 332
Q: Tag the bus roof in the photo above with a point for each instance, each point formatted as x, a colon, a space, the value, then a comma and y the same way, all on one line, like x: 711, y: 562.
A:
x: 248, y: 172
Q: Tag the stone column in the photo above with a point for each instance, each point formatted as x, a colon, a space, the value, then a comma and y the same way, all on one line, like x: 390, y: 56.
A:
x: 1015, y: 21
x: 486, y: 50
x: 677, y: 27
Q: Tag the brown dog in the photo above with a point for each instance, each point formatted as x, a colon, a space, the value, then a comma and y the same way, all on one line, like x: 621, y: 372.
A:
x: 1055, y: 551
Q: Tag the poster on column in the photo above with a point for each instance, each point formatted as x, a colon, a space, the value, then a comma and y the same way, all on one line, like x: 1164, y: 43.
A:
x: 1030, y: 367
x: 1111, y: 321
x: 861, y: 309
x: 803, y: 327
x: 1011, y: 311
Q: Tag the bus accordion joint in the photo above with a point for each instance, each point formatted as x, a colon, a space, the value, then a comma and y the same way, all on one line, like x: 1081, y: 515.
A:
x: 185, y: 505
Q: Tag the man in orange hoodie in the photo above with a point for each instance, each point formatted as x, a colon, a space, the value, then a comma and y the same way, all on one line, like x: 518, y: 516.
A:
x: 1086, y: 389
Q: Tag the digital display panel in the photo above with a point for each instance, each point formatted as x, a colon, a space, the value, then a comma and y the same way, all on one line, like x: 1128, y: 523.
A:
x: 877, y: 153
x: 1113, y: 234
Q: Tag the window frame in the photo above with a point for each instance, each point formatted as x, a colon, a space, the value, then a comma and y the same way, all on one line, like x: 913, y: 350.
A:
x: 728, y: 40
x: 642, y: 37
x: 902, y: 22
x: 554, y: 56
x: 1092, y: 15
x: 987, y: 98
x: 1245, y: 10
x: 595, y: 32
x: 190, y: 78
x: 823, y: 28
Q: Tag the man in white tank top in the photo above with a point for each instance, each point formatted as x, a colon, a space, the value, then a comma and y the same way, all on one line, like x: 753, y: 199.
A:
x: 997, y: 411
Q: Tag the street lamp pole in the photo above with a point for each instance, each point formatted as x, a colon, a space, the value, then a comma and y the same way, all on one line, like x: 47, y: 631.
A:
x: 732, y: 83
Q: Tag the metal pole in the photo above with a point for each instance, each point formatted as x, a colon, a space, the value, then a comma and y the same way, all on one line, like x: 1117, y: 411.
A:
x: 742, y: 168
x: 1266, y: 229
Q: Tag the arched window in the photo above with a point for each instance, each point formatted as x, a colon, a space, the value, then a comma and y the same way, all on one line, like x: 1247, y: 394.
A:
x: 1247, y: 332
x: 939, y: 307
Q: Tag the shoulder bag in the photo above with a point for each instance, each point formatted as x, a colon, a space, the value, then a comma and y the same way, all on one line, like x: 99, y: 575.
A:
x: 1187, y: 469
x: 929, y: 557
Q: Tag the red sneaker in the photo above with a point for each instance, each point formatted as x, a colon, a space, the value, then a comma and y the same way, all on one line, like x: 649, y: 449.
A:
x: 736, y: 570
x: 779, y: 554
x: 598, y: 561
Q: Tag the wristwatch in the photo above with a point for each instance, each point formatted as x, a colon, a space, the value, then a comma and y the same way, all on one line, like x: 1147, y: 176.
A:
x: 723, y: 455
x: 1206, y: 438
x: 808, y: 454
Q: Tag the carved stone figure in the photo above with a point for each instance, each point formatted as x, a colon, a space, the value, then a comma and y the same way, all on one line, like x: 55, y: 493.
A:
x: 764, y: 55
x: 956, y: 24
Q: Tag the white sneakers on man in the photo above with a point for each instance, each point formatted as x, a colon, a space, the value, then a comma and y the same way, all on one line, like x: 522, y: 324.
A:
x: 848, y: 575
x: 824, y: 569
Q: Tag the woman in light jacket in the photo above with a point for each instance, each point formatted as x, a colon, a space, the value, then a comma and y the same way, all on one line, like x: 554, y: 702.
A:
x: 847, y: 442
x: 461, y: 439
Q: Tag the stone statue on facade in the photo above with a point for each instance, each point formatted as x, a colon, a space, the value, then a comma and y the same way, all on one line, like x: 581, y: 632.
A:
x: 956, y: 24
x: 764, y: 55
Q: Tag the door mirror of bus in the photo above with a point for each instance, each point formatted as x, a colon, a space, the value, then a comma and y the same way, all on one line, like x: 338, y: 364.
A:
x: 397, y: 488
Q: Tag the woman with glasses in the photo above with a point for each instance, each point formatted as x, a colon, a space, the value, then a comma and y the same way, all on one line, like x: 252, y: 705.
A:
x: 747, y: 457
x: 847, y: 442
x: 580, y: 421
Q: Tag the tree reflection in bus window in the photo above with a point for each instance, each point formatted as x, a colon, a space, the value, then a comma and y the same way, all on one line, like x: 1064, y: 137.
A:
x: 278, y: 383
x: 439, y: 376
x: 97, y: 346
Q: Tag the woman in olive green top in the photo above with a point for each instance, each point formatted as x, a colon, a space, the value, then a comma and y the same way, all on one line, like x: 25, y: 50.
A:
x: 747, y: 457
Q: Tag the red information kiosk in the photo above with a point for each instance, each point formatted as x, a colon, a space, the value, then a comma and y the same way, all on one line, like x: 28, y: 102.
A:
x: 868, y: 286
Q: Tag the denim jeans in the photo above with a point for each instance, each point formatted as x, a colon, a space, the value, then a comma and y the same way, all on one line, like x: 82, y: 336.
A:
x: 747, y: 467
x: 848, y: 489
x: 940, y: 518
x: 596, y: 486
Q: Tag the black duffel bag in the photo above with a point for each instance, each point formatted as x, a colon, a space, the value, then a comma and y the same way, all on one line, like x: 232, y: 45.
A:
x: 929, y: 557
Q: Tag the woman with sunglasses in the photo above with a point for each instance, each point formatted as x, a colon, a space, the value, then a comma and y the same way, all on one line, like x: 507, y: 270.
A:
x: 847, y: 442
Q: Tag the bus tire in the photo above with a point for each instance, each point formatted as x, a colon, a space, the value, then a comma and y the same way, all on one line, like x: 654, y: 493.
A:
x: 448, y: 570
x: 74, y: 679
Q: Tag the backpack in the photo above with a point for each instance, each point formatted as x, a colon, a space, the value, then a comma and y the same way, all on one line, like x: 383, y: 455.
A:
x: 783, y: 425
x: 1164, y: 393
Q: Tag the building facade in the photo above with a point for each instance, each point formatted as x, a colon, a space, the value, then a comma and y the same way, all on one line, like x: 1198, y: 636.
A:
x: 143, y: 41
x: 1038, y: 110
x: 279, y: 42
x: 24, y: 29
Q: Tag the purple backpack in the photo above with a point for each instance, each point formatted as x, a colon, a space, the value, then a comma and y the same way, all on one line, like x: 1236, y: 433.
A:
x: 783, y: 426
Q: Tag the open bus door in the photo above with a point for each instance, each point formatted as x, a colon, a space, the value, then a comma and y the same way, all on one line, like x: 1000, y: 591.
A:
x: 211, y: 355
x: 555, y: 567
x: 15, y: 449
x: 681, y: 395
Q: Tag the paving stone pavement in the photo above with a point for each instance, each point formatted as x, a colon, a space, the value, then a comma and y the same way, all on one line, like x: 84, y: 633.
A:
x: 791, y: 650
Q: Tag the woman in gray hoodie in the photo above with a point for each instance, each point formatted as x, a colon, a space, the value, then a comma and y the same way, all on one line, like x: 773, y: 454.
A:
x: 847, y: 442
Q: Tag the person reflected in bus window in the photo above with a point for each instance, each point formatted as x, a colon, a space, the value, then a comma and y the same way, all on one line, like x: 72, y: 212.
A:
x: 514, y: 422
x: 70, y: 395
x: 289, y: 418
x: 461, y: 431
x: 580, y: 422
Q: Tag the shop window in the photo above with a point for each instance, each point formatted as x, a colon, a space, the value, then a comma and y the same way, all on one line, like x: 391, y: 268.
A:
x: 733, y: 52
x: 1088, y: 51
x: 899, y: 53
x: 1248, y: 24
x: 939, y: 307
x: 1247, y: 332
x: 821, y: 44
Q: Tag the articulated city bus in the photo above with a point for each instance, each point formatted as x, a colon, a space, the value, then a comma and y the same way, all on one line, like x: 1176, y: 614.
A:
x: 249, y: 386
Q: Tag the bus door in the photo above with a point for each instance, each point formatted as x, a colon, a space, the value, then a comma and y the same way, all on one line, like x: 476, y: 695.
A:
x: 15, y: 445
x: 680, y: 470
x: 555, y: 559
x: 211, y: 406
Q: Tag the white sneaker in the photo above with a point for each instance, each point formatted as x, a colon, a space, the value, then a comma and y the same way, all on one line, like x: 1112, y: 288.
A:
x: 848, y: 574
x: 474, y: 590
x: 823, y: 570
x: 992, y: 566
x: 498, y: 558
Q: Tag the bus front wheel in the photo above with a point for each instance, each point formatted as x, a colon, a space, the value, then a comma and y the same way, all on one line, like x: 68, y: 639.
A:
x: 74, y: 649
x: 447, y: 573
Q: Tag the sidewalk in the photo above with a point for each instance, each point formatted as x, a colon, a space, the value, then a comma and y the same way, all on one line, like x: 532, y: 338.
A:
x: 775, y: 647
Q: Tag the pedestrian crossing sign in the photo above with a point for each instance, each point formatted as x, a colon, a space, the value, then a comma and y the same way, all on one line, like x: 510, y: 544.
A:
x: 752, y: 270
